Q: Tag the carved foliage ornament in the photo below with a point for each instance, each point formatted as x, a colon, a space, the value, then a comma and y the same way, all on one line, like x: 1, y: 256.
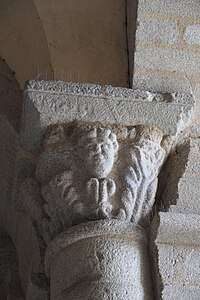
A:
x: 91, y: 172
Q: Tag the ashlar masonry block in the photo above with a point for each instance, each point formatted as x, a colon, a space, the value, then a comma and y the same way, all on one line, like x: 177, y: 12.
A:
x: 183, y: 172
x: 163, y: 59
x: 192, y: 34
x: 147, y: 30
x: 180, y: 8
x: 178, y: 262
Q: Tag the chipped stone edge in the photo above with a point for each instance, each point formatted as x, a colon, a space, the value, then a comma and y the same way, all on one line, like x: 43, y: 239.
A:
x: 44, y: 105
x: 108, y: 91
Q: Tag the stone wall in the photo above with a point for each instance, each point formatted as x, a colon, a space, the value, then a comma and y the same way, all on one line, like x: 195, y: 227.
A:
x: 167, y: 56
x: 22, y: 41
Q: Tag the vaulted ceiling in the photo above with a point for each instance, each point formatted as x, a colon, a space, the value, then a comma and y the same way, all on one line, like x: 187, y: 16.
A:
x: 73, y: 40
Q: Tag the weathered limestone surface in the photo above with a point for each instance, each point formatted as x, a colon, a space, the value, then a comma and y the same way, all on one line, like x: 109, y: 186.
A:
x: 69, y: 173
x: 86, y: 176
x: 191, y: 34
x: 85, y: 172
x: 178, y: 246
x: 166, y: 56
x: 89, y: 175
x: 181, y: 190
x: 47, y: 103
x: 148, y: 30
x: 99, y: 260
x: 175, y: 233
x: 178, y: 61
x: 171, y: 7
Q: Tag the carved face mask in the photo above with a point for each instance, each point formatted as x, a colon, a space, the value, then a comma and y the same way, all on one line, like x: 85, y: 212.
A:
x: 98, y: 156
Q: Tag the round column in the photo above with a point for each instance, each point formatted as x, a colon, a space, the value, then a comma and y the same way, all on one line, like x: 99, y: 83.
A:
x: 104, y: 259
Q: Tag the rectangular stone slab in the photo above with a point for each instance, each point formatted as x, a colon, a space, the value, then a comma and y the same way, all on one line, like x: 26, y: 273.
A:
x: 50, y: 102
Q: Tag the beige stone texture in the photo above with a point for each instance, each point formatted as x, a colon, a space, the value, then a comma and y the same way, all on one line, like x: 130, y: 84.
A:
x: 86, y: 40
x: 175, y: 239
x: 22, y: 40
x: 80, y: 41
x: 93, y: 41
x: 67, y: 40
x: 166, y: 56
x: 100, y: 260
x: 47, y: 103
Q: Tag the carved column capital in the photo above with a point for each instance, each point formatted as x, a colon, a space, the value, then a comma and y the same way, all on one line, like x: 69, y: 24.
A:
x: 90, y: 172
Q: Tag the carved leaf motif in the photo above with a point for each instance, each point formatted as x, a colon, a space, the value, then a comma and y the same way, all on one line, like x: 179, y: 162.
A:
x: 146, y: 159
x: 30, y: 193
x: 81, y: 181
x: 31, y: 197
x: 60, y: 195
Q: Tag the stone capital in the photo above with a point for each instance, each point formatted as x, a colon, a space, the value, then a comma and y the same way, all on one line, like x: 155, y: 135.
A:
x: 91, y: 172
